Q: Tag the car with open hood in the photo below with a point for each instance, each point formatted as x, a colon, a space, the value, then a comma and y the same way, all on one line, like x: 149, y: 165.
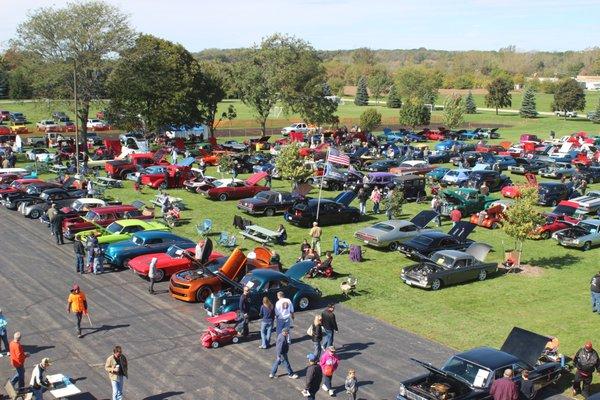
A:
x: 429, y: 242
x: 172, y: 176
x: 18, y: 185
x: 469, y: 375
x: 232, y: 189
x: 122, y: 229
x: 271, y: 202
x: 437, y: 174
x: 493, y: 216
x: 390, y: 234
x: 331, y: 211
x: 449, y: 267
x: 584, y: 235
x: 467, y: 200
x: 266, y: 282
x: 145, y: 242
x: 13, y: 199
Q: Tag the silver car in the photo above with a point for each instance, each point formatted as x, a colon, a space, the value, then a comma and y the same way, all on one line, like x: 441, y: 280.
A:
x: 389, y: 234
x: 584, y: 235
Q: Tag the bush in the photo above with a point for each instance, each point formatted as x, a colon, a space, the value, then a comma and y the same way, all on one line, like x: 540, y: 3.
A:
x: 370, y: 119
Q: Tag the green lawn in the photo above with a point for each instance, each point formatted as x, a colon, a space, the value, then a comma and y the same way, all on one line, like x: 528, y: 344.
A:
x: 544, y: 101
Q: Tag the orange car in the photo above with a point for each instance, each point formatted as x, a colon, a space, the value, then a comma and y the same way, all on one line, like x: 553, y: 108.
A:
x: 195, y: 285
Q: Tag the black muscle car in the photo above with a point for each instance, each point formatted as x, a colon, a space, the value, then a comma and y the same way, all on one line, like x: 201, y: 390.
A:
x: 268, y: 203
x: 430, y: 242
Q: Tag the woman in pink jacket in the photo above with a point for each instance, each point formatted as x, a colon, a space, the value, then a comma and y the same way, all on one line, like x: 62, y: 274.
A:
x: 329, y: 363
x: 376, y: 199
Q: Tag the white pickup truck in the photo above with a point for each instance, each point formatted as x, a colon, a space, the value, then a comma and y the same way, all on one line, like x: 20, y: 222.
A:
x: 568, y: 114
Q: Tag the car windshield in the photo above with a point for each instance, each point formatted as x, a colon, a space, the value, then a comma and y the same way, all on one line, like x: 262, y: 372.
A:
x: 423, y: 240
x: 138, y: 240
x: 452, y: 173
x: 383, y: 227
x: 464, y: 370
x: 263, y: 195
x: 77, y: 205
x: 114, y: 228
x: 250, y: 281
x: 92, y: 216
x: 220, y: 183
x: 590, y: 228
x: 442, y: 260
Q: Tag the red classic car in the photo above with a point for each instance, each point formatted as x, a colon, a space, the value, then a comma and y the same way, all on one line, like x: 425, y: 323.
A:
x: 554, y: 223
x: 490, y: 148
x: 104, y: 216
x: 19, y: 185
x: 236, y: 189
x: 177, y: 175
x: 492, y: 217
x: 513, y: 191
x: 5, y: 130
x: 439, y: 134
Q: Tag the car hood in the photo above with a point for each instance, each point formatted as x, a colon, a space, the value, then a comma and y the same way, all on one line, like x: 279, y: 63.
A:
x: 345, y: 197
x: 142, y: 263
x: 298, y: 270
x: 525, y: 345
x: 423, y: 218
x: 478, y: 250
x: 438, y: 371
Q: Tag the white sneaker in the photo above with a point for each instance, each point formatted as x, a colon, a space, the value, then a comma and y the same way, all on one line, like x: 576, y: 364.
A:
x: 271, y: 376
x: 330, y: 392
x: 293, y: 376
x: 324, y: 387
x: 305, y: 393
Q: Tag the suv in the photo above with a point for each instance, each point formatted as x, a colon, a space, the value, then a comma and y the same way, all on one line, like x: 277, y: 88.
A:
x: 297, y: 127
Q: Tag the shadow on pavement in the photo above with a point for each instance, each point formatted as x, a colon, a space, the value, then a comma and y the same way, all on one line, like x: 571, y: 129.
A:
x: 33, y: 349
x: 349, y: 350
x: 102, y: 328
x: 161, y: 396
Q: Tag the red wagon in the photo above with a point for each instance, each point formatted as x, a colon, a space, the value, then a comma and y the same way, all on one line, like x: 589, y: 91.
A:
x: 219, y: 333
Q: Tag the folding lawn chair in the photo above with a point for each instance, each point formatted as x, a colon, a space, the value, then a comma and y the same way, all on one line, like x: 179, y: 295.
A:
x: 204, y: 227
x: 340, y: 246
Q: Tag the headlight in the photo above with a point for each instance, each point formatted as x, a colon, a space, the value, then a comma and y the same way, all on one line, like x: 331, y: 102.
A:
x: 402, y: 390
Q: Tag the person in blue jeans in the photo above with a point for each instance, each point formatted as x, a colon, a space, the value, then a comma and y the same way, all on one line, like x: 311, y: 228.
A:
x: 595, y: 292
x: 3, y: 333
x: 267, y: 312
x: 329, y: 324
x: 281, y: 355
x: 79, y: 250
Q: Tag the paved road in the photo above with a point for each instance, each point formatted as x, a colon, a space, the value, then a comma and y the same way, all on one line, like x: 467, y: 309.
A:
x: 160, y: 336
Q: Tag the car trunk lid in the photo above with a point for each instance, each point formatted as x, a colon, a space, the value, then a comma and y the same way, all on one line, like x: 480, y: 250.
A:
x: 345, y: 197
x: 255, y: 178
x: 525, y: 345
x: 298, y: 270
x: 423, y: 218
x: 479, y: 250
x: 461, y: 230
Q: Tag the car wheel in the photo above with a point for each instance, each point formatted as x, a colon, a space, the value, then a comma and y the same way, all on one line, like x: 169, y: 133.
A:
x: 203, y: 293
x: 223, y: 197
x: 126, y: 262
x: 215, y: 345
x: 235, y: 339
x: 124, y: 174
x: 35, y: 214
x: 355, y: 218
x: 269, y: 212
x: 436, y: 285
x: 587, y: 246
x: 545, y: 235
x: 303, y: 303
x: 159, y: 275
x: 393, y: 246
x: 482, y: 275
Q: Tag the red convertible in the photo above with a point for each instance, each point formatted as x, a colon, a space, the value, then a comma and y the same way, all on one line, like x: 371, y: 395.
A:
x: 178, y: 174
x: 236, y: 189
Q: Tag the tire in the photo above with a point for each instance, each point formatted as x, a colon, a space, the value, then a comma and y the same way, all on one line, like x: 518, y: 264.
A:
x: 587, y: 246
x: 160, y: 275
x: 215, y: 345
x: 546, y: 235
x: 35, y: 214
x: 124, y: 174
x: 202, y: 293
x: 223, y: 197
x: 393, y: 246
x: 235, y: 339
x: 436, y: 285
x: 269, y: 212
x: 482, y: 275
x: 355, y: 218
x: 303, y: 303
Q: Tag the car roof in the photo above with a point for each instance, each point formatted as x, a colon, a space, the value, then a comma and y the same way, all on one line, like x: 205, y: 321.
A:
x: 408, y: 177
x: 110, y: 209
x: 454, y: 253
x: 54, y: 190
x: 489, y: 357
x: 153, y: 234
x: 595, y: 222
x: 267, y: 274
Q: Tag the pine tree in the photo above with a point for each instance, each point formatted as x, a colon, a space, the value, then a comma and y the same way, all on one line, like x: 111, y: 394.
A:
x: 528, y: 108
x: 327, y: 89
x: 595, y: 116
x: 470, y: 106
x: 362, y: 95
x: 394, y: 100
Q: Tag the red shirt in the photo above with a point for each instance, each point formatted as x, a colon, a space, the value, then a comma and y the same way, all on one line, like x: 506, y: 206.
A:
x: 455, y: 215
x: 17, y: 354
x: 504, y: 389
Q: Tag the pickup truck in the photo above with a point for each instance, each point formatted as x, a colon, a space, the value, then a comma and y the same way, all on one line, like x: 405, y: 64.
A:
x: 118, y: 169
x: 566, y: 114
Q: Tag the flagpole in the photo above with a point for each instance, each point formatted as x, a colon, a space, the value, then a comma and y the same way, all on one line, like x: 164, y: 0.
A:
x: 321, y: 185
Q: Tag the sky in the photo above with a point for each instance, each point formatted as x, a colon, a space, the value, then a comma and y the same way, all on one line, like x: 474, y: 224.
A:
x: 348, y: 24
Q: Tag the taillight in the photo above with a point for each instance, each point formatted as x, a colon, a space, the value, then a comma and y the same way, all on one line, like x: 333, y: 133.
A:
x: 298, y: 213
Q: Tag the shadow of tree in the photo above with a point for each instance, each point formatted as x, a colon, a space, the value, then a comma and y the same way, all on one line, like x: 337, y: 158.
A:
x: 558, y: 262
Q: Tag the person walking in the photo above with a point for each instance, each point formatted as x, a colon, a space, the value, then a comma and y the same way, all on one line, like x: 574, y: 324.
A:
x: 436, y: 205
x: 389, y: 212
x: 314, y: 377
x: 376, y: 199
x: 90, y: 189
x: 595, y: 292
x: 137, y: 185
x: 267, y: 312
x: 284, y: 313
x: 51, y: 214
x: 329, y: 324
x: 586, y: 361
x: 38, y: 381
x: 316, y: 335
x: 315, y: 234
x: 455, y: 216
x: 97, y: 260
x: 77, y: 304
x: 79, y: 250
x: 505, y: 388
x: 351, y: 385
x: 17, y: 360
x: 362, y: 201
x: 152, y: 274
x: 116, y: 366
x: 3, y: 334
x: 268, y: 179
x: 244, y: 312
x: 282, y: 346
x: 329, y: 363
x: 57, y: 227
x: 90, y: 243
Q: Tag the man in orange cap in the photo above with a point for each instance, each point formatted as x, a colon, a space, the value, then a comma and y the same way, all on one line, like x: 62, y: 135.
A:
x: 586, y: 360
x: 77, y: 304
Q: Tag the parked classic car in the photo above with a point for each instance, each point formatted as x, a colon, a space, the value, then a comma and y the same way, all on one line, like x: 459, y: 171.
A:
x: 13, y: 199
x: 455, y: 177
x: 590, y: 202
x: 590, y: 174
x: 552, y: 224
x: 448, y: 267
x: 558, y: 170
x: 382, y: 165
x: 381, y: 180
x: 412, y: 187
x: 437, y: 174
x: 173, y: 176
x: 584, y: 235
x: 146, y: 242
x: 122, y: 229
x: 467, y: 200
x: 493, y: 216
x: 494, y: 180
x: 35, y: 207
x: 413, y: 167
x: 17, y: 185
x: 235, y: 190
x: 390, y: 234
x: 551, y: 193
x: 266, y: 282
x: 429, y: 242
x: 469, y: 375
x: 331, y: 211
x: 439, y: 157
x: 525, y: 165
x: 514, y: 191
x: 270, y: 202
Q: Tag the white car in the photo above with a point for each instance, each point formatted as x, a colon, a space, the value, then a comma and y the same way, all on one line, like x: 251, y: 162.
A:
x: 46, y: 125
x: 297, y: 127
x: 40, y: 155
x: 455, y: 177
x: 94, y: 123
x: 568, y: 114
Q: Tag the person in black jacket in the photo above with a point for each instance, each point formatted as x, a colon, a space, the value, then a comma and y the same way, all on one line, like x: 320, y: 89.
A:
x: 79, y: 250
x: 317, y: 335
x: 329, y: 325
x: 526, y: 389
x: 244, y: 308
x: 57, y: 227
x: 586, y: 361
x: 314, y: 376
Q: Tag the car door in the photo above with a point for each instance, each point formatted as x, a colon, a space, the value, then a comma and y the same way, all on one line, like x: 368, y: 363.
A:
x: 328, y: 213
x: 155, y: 244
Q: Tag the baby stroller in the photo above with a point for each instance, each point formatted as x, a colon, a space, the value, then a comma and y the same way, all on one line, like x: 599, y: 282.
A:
x: 219, y: 334
x: 321, y: 269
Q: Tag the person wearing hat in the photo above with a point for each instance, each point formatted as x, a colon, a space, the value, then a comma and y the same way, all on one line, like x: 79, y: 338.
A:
x: 314, y: 376
x: 116, y: 366
x: 586, y: 360
x: 281, y: 355
x: 329, y: 363
x: 77, y: 303
x: 38, y: 381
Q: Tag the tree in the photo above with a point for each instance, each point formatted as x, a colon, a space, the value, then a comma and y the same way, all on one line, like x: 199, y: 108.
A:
x: 225, y: 164
x: 569, y: 96
x: 528, y: 107
x: 470, y: 106
x: 414, y: 113
x: 327, y: 90
x: 498, y: 95
x: 378, y: 82
x: 522, y: 218
x: 291, y: 166
x: 80, y: 39
x: 215, y: 89
x: 370, y: 119
x: 157, y: 84
x: 393, y: 203
x: 4, y: 76
x: 394, y: 100
x: 419, y: 83
x: 595, y: 116
x: 454, y: 112
x: 19, y: 84
x: 362, y: 95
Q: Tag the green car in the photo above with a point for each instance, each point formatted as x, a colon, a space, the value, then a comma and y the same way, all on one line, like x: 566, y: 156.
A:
x: 467, y: 200
x: 122, y: 229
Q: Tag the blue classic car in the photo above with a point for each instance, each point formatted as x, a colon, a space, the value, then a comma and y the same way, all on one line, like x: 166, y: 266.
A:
x: 266, y: 282
x: 119, y: 253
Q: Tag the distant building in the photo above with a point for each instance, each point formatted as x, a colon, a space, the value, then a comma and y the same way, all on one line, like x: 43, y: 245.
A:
x: 589, y: 82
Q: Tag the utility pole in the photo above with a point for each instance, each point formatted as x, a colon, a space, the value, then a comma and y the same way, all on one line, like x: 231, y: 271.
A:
x: 76, y: 116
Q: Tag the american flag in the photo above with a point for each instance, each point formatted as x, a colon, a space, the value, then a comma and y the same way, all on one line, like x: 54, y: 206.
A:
x: 337, y: 157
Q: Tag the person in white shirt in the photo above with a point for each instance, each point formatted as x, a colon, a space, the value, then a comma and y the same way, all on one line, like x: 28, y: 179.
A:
x: 152, y: 274
x: 38, y: 381
x: 284, y: 313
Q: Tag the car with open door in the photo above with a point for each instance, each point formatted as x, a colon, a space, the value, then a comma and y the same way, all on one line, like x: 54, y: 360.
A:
x: 237, y: 190
x: 330, y: 211
x: 429, y: 242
